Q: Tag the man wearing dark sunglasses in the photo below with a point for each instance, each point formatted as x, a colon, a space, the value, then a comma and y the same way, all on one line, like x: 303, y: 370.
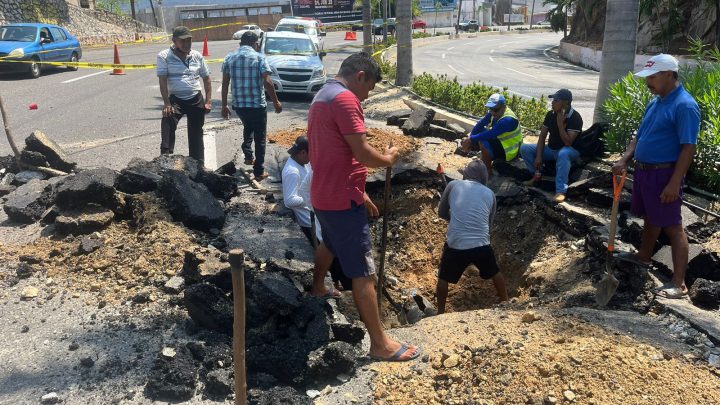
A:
x: 497, y: 135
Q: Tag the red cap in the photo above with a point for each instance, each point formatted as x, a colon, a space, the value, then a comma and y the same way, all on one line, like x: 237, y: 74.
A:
x: 33, y: 106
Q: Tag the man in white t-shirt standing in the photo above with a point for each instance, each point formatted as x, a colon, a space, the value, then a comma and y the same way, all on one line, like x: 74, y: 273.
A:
x: 296, y: 182
x: 180, y: 71
x: 470, y: 207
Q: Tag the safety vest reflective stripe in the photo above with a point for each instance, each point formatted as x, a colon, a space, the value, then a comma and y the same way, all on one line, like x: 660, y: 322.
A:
x: 511, y: 140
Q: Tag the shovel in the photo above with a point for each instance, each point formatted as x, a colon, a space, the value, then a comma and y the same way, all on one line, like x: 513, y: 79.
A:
x: 608, y: 284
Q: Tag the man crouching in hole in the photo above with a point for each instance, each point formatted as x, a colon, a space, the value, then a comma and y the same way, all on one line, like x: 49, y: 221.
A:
x: 470, y: 207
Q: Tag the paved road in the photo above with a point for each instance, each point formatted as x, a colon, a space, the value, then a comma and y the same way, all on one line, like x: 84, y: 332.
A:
x: 522, y: 62
x: 105, y: 120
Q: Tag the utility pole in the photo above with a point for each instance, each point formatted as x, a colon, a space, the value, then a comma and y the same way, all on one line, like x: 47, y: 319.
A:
x: 567, y: 10
x: 474, y: 11
x: 132, y: 8
x: 532, y: 13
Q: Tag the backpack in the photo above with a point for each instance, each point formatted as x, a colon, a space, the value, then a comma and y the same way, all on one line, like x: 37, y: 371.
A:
x: 590, y: 141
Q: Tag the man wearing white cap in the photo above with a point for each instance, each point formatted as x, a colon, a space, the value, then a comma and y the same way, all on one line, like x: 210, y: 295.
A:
x: 663, y: 150
x: 497, y: 135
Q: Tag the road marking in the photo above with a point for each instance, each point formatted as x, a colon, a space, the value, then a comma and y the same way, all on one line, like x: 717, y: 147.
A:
x: 491, y: 59
x: 451, y: 48
x: 86, y: 76
x: 513, y: 92
x: 521, y: 73
x: 450, y: 66
x: 443, y: 56
x: 492, y: 51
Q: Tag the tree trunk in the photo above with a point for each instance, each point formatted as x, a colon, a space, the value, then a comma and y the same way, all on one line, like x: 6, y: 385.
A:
x: 152, y: 7
x: 367, y: 27
x: 132, y: 8
x: 385, y: 23
x: 403, y: 10
x: 717, y: 23
x: 619, y: 46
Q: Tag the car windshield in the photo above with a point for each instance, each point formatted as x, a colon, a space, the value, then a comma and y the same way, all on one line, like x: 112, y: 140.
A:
x: 289, y: 46
x: 20, y: 34
x: 297, y: 28
x: 378, y: 21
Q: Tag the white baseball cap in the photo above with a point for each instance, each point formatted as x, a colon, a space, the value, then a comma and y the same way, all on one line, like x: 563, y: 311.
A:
x: 659, y: 63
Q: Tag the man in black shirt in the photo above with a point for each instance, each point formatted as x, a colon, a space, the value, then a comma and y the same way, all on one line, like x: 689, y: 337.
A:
x: 564, y: 124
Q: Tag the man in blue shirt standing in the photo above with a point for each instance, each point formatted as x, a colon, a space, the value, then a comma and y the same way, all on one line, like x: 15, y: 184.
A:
x: 250, y: 74
x: 663, y: 151
x: 497, y: 135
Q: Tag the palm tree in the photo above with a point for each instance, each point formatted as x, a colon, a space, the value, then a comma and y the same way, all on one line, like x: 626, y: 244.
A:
x: 558, y: 15
x: 619, y: 45
x: 403, y: 26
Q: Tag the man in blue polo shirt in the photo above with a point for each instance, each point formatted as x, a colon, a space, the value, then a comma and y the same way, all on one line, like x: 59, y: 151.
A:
x: 250, y: 74
x: 663, y: 151
x: 497, y: 135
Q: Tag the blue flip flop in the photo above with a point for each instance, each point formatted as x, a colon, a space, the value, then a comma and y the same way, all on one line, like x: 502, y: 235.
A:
x: 396, y: 357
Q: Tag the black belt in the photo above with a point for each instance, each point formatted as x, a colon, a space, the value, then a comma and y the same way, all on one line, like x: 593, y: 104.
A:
x: 648, y: 166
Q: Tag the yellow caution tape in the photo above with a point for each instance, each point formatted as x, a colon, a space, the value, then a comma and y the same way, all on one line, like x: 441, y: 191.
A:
x: 90, y: 65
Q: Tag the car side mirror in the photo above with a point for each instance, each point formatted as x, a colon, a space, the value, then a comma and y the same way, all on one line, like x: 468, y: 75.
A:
x: 322, y: 34
x: 45, y: 40
x: 322, y: 54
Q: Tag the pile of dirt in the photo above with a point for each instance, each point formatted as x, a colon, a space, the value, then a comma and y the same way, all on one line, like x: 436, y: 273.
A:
x: 526, y: 357
x: 129, y: 261
x: 377, y: 137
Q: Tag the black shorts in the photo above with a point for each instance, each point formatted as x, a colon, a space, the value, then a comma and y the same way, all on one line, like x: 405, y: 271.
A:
x: 454, y: 262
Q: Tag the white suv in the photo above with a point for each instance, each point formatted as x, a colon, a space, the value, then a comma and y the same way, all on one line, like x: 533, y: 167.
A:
x: 295, y: 61
x: 305, y: 26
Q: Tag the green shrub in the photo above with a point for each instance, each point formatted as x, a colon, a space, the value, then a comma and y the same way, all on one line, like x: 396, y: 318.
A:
x: 625, y: 108
x: 623, y: 111
x: 471, y: 98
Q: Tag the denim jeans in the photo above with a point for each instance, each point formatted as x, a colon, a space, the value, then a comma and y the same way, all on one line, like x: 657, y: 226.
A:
x: 254, y: 129
x: 194, y: 108
x: 563, y: 160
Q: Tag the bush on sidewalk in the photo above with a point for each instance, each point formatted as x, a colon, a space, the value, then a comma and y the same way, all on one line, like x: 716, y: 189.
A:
x: 471, y: 98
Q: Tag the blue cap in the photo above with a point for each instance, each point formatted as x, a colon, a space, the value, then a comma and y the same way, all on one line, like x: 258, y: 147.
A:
x: 495, y: 100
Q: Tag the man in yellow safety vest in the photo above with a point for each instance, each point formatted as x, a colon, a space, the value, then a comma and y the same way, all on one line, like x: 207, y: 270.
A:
x: 497, y: 135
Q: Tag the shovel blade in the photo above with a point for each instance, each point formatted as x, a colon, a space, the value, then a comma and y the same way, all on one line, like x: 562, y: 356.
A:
x: 606, y: 289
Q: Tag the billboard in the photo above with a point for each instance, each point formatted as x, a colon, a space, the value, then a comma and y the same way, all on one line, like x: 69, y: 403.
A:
x: 327, y: 10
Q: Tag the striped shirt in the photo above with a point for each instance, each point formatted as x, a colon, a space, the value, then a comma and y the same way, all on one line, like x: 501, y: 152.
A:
x: 246, y: 68
x: 183, y: 77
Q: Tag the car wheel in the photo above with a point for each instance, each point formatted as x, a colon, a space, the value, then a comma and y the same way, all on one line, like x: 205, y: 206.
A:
x: 34, y: 68
x: 73, y: 59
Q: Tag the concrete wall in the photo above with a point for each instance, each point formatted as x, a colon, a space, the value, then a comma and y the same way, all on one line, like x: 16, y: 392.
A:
x: 89, y: 26
x: 592, y: 58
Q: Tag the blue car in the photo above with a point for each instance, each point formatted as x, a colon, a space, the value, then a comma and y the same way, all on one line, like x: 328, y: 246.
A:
x: 36, y: 43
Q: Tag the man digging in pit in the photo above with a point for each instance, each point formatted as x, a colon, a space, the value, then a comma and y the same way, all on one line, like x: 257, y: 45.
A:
x: 663, y: 150
x: 470, y: 207
x: 340, y: 156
